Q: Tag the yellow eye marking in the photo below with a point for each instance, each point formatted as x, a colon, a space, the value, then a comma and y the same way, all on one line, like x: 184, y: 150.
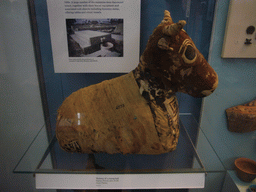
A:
x: 183, y: 49
x: 185, y: 42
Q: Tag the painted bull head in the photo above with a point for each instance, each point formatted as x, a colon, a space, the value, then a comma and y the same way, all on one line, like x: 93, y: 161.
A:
x: 173, y: 59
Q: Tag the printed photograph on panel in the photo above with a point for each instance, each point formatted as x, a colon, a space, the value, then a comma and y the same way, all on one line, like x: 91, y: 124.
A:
x: 95, y: 37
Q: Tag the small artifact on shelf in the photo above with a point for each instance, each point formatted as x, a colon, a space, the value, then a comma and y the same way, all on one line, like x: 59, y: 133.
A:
x: 242, y: 118
x: 245, y: 169
x: 138, y: 113
x: 252, y: 188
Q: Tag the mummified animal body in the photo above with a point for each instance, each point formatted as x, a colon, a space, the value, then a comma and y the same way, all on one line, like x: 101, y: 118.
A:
x: 137, y: 113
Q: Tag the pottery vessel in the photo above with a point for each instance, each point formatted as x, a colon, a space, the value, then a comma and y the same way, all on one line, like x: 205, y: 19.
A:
x: 245, y: 169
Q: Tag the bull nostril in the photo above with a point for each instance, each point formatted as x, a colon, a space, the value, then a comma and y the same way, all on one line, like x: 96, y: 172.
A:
x: 215, y: 85
x: 207, y: 92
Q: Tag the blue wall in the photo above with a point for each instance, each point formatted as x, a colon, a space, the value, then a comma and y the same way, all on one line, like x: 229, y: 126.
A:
x: 237, y: 85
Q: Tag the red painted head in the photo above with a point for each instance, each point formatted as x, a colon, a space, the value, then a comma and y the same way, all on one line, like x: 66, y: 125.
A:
x: 172, y: 56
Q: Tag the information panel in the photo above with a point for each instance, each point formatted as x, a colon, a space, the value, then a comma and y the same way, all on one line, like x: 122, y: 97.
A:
x: 90, y: 36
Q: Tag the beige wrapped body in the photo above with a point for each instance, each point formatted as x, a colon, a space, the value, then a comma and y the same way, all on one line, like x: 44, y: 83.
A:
x: 113, y: 117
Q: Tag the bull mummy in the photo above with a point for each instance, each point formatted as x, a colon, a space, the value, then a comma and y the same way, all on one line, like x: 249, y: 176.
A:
x: 138, y: 113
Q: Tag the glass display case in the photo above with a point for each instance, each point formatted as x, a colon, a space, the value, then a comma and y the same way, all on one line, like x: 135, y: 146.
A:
x: 204, y: 158
x: 103, y: 171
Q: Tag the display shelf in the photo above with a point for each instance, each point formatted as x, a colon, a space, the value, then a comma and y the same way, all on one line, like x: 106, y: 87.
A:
x: 104, y: 171
x: 242, y: 186
x: 233, y: 183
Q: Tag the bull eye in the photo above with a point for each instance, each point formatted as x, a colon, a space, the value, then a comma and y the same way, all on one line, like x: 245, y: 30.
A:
x: 189, y: 55
x: 190, y: 52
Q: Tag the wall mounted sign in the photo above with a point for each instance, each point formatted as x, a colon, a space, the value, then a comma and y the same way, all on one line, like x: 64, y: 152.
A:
x: 94, y: 36
x: 240, y: 35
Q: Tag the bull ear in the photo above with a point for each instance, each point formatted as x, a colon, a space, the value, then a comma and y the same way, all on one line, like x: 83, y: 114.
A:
x: 174, y: 28
x: 163, y: 44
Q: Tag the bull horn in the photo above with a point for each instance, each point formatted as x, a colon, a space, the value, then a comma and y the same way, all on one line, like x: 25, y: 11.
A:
x: 167, y: 17
x: 174, y: 28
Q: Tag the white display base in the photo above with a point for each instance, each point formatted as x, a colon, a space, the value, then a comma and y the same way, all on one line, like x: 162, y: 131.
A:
x: 120, y: 181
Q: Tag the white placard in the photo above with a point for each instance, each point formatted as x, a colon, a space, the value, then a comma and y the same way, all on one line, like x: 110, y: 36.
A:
x: 94, y: 36
x: 120, y: 181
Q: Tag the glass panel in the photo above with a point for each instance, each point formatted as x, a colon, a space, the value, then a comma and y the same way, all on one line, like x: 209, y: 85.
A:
x: 33, y: 155
x: 204, y: 148
x: 173, y: 162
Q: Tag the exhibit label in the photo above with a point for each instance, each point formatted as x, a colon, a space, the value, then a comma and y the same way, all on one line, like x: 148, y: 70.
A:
x: 94, y: 36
